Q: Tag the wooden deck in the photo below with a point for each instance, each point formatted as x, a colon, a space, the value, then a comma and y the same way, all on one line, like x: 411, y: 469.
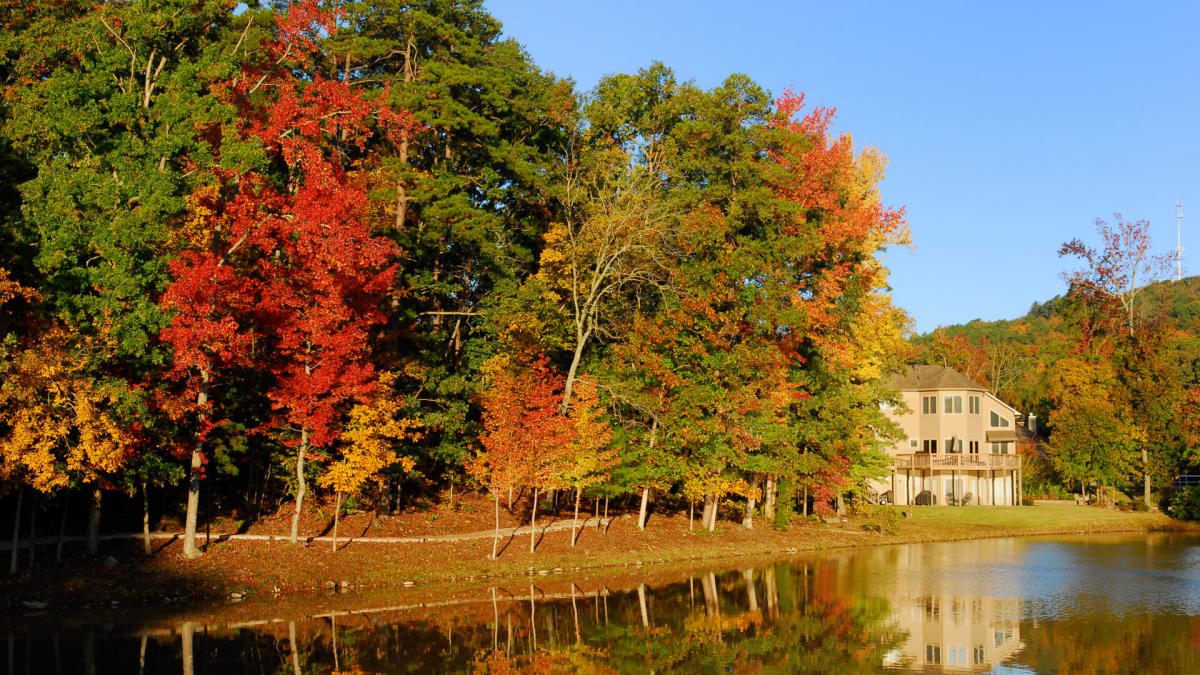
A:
x: 958, y: 462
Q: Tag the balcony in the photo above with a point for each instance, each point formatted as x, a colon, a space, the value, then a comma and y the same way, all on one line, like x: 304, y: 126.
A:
x: 924, y: 461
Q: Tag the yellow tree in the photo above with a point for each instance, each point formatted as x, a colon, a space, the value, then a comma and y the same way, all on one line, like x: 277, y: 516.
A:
x: 590, y: 457
x: 370, y: 443
x: 56, y: 422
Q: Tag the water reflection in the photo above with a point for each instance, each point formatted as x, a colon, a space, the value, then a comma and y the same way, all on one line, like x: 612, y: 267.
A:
x: 1080, y: 606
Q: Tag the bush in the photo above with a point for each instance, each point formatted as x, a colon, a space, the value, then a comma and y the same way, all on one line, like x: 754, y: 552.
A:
x: 883, y: 519
x: 1185, y: 505
x: 1139, y: 505
x: 1026, y: 501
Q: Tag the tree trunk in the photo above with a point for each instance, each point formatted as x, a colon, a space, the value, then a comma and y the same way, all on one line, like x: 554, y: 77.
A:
x: 16, y: 534
x: 769, y: 498
x: 496, y: 536
x: 642, y: 510
x: 748, y: 519
x: 62, y: 527
x: 92, y: 544
x: 510, y: 490
x: 691, y: 513
x: 533, y: 522
x: 597, y: 505
x: 337, y: 512
x: 186, y: 647
x: 841, y: 505
x: 300, y: 485
x: 575, y: 525
x: 1145, y: 476
x: 581, y: 338
x: 32, y: 532
x: 196, y: 470
x: 146, y: 520
x: 710, y: 512
x: 805, y: 499
x: 607, y: 522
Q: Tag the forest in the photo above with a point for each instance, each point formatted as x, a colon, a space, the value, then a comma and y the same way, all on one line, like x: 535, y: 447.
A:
x: 267, y: 253
x: 263, y: 254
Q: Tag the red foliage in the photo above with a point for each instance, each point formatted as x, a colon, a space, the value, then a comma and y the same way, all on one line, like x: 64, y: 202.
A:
x: 291, y: 267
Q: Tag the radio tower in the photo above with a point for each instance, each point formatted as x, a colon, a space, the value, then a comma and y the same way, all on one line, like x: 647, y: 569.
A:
x: 1178, y: 241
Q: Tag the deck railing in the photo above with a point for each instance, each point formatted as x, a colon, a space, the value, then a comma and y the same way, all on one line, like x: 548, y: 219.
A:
x: 958, y: 461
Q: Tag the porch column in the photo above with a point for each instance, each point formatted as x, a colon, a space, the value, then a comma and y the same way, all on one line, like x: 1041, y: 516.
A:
x: 991, y: 487
x: 893, y: 484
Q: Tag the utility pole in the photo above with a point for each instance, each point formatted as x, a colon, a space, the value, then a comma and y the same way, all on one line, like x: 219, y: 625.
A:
x: 1178, y: 240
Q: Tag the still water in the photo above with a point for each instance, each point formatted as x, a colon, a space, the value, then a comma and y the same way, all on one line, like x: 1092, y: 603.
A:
x: 1110, y: 604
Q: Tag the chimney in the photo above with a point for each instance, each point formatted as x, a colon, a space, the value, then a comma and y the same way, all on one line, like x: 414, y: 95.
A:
x: 1031, y: 423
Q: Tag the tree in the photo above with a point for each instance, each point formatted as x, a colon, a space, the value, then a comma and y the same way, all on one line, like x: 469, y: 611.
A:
x: 527, y: 439
x: 1109, y: 286
x: 310, y: 275
x: 58, y: 419
x: 590, y: 457
x: 368, y: 443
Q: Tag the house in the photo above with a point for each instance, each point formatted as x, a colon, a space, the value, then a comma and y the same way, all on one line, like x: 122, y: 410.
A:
x: 959, y: 445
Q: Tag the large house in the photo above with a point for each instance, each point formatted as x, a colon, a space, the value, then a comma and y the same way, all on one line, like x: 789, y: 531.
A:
x: 959, y: 446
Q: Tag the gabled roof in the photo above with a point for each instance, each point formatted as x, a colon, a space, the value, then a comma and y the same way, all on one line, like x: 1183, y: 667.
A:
x: 923, y: 378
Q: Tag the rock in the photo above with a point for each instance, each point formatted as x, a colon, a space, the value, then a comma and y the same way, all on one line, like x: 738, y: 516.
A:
x: 408, y: 583
x: 543, y: 572
x: 109, y: 562
x: 558, y: 570
x: 330, y: 584
x: 33, y: 604
x: 235, y: 596
x: 343, y: 585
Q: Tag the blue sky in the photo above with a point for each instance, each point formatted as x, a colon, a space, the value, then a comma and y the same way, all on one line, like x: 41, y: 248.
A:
x: 1010, y: 126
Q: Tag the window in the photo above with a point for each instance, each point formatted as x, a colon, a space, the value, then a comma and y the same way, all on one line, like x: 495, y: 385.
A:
x: 973, y: 405
x: 979, y: 656
x: 928, y: 405
x: 998, y: 421
x: 914, y: 443
x: 953, y: 445
x: 1000, y: 448
x: 929, y: 446
x: 933, y: 654
x: 973, y: 446
x: 952, y: 405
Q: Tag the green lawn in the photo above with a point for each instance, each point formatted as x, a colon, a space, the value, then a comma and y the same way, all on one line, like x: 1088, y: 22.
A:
x: 1048, y: 518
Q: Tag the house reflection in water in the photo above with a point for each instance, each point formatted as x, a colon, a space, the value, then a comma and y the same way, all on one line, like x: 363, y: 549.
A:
x: 948, y: 601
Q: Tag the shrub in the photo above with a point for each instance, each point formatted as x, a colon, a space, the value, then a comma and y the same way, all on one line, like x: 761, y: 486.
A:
x: 1026, y: 501
x: 882, y: 519
x: 1186, y: 504
x: 1138, y: 505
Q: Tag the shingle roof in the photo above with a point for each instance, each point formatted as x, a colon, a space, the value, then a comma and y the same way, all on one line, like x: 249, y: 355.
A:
x: 932, y: 377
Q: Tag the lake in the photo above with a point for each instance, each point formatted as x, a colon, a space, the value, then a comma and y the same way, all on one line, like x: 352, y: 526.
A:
x: 1086, y: 604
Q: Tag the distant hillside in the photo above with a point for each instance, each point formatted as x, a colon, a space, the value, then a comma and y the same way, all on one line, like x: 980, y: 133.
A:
x: 1180, y: 300
x: 1014, y: 356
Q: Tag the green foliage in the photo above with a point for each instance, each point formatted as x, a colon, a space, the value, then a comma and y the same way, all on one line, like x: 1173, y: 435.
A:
x: 1185, y: 504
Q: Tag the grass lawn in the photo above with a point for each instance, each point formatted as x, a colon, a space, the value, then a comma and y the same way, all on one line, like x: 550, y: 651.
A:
x: 973, y: 521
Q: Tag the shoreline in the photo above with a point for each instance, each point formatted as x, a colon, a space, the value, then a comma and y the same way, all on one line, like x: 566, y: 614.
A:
x: 237, y: 575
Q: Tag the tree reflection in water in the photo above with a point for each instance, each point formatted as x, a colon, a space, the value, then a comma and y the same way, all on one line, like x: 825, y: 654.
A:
x: 959, y: 608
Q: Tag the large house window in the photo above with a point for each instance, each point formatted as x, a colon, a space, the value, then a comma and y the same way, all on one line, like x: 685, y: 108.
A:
x: 952, y: 405
x: 973, y: 446
x: 929, y: 445
x: 1000, y: 448
x: 914, y: 443
x: 954, y: 445
x: 973, y: 405
x: 928, y: 405
x: 998, y: 421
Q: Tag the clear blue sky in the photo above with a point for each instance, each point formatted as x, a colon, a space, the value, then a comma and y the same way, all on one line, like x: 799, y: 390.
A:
x: 1010, y: 126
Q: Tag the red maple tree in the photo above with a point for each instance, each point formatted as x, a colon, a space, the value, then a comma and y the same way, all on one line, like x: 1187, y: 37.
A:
x: 289, y: 260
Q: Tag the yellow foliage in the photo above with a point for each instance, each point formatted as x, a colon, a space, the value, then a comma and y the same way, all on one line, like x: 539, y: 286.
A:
x: 591, y: 458
x: 196, y: 231
x: 56, y: 416
x: 370, y: 440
